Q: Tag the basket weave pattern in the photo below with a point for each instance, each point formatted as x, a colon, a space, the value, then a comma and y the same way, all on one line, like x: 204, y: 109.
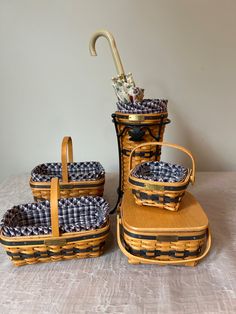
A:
x: 44, y: 193
x: 46, y: 253
x: 166, y: 195
x: 149, y: 129
x: 56, y: 246
x: 92, y: 183
x: 164, y: 250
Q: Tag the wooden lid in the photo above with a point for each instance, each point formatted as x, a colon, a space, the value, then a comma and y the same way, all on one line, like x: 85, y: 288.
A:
x: 149, y: 219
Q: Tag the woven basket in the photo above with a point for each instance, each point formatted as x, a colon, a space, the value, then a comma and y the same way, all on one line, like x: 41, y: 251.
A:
x: 68, y: 187
x: 167, y: 195
x: 50, y: 244
x: 155, y: 236
x: 138, y: 128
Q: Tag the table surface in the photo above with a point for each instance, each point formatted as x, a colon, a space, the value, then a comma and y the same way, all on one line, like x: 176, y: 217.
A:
x: 108, y: 284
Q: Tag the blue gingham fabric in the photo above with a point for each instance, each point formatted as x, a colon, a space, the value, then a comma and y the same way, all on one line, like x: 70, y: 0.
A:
x: 75, y: 214
x: 145, y: 106
x: 77, y: 171
x: 160, y: 171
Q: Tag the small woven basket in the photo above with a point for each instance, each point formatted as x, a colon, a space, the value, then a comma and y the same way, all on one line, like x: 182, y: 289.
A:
x: 52, y: 229
x: 167, y: 195
x: 76, y: 179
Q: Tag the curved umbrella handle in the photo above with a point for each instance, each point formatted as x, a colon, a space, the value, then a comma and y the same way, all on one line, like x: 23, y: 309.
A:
x: 114, y: 50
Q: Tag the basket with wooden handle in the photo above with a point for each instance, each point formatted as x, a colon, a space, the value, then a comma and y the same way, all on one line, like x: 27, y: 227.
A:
x: 57, y: 230
x: 160, y: 184
x: 76, y: 178
x: 162, y: 256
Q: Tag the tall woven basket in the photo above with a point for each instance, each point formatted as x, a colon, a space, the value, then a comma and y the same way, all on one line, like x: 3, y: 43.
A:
x: 134, y: 129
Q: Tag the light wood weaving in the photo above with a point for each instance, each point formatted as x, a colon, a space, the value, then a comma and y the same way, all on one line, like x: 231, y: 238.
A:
x: 55, y: 247
x: 133, y: 129
x: 41, y: 190
x: 167, y: 195
x: 154, y: 236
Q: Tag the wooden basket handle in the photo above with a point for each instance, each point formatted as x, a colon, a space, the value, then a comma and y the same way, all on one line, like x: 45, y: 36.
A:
x: 66, y: 156
x: 181, y: 148
x: 54, y: 196
x: 154, y: 261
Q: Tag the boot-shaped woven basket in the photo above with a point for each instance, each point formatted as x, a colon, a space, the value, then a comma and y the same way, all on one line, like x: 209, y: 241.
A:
x: 159, y: 183
x: 57, y: 230
x: 132, y: 129
x: 76, y: 178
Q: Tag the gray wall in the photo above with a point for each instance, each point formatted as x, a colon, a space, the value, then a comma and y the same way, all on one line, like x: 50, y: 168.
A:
x: 50, y: 86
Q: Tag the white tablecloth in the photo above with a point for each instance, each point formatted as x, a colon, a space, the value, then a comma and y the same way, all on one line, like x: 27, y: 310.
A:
x: 108, y: 284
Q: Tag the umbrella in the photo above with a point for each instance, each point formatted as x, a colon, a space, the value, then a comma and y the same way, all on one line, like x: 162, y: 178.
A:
x: 142, y: 120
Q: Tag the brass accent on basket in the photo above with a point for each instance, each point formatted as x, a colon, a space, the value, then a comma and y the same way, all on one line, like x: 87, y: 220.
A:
x: 153, y: 187
x: 136, y: 117
x: 57, y: 242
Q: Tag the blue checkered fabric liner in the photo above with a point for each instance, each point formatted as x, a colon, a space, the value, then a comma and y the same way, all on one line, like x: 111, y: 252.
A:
x: 77, y: 171
x: 160, y: 171
x: 145, y: 106
x: 75, y: 214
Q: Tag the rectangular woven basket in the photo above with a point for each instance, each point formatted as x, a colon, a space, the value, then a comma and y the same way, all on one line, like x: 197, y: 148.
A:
x: 54, y: 246
x: 68, y: 188
x: 154, y: 236
x: 166, y: 195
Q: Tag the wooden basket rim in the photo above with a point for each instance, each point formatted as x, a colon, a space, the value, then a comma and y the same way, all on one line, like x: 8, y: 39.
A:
x: 158, y: 183
x: 69, y: 184
x: 86, y: 235
x: 118, y: 113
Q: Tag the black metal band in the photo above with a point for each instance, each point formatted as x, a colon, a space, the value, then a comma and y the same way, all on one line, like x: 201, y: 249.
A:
x: 166, y: 188
x: 155, y: 197
x: 156, y: 253
x: 39, y: 242
x: 46, y: 254
x: 147, y: 237
x: 143, y: 154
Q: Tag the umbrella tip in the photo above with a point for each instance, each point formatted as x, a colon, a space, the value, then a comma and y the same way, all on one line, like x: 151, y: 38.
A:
x: 92, y: 51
